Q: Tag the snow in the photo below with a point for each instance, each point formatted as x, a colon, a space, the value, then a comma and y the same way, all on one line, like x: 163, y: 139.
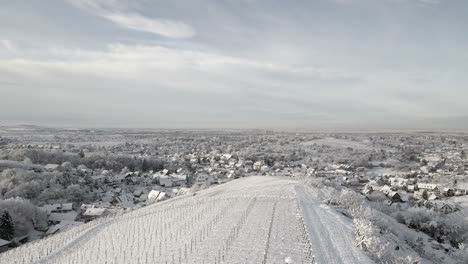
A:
x: 331, y: 234
x: 94, y: 211
x: 155, y: 195
x: 63, y: 226
x: 51, y: 166
x: 249, y: 220
x: 58, y: 217
x: 338, y: 143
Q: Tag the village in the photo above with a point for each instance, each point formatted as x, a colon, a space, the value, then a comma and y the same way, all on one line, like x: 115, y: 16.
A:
x: 395, y: 170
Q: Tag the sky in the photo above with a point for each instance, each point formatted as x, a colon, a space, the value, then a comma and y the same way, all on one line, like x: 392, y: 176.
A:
x: 311, y: 64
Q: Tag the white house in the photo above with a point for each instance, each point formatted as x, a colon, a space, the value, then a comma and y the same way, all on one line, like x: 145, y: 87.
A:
x: 155, y: 196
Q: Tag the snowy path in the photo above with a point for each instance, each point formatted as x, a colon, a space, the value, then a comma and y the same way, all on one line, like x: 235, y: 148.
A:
x: 330, y: 233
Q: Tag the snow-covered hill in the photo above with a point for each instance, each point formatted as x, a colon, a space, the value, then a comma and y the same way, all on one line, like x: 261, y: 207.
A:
x: 250, y: 220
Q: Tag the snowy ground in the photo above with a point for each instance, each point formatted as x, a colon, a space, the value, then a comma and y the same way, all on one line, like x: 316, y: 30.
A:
x: 331, y: 234
x: 250, y: 220
x: 339, y: 143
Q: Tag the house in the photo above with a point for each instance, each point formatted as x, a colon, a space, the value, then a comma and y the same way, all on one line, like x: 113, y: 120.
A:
x: 178, y: 179
x: 155, y: 196
x: 386, y: 189
x: 107, y: 197
x: 93, y: 213
x: 411, y: 188
x: 346, y: 167
x: 4, y: 245
x: 56, y: 218
x: 85, y: 207
x: 49, y: 208
x: 165, y: 181
x: 449, y: 192
x: 138, y: 193
x: 264, y: 168
x: 352, y: 182
x: 446, y: 208
x: 226, y: 156
x: 394, y: 196
x: 98, y: 178
x: 398, y: 182
x: 129, y: 180
x: 119, y: 178
x: 431, y: 187
x: 51, y: 167
x: 64, y: 208
x: 258, y: 165
x: 432, y: 197
x: 363, y: 179
x: 63, y: 226
x: 367, y: 190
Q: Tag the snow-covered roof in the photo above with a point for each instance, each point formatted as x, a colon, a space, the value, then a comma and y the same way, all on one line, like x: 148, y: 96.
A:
x: 156, y: 195
x: 63, y: 226
x: 138, y: 192
x: 67, y: 206
x: 179, y: 177
x: 94, y: 211
x: 165, y: 182
x: 86, y: 206
x: 98, y: 177
x: 51, y: 166
x: 57, y: 217
x: 48, y: 208
x: 119, y: 177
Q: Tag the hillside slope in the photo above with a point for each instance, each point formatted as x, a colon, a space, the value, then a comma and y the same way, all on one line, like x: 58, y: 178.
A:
x: 250, y: 220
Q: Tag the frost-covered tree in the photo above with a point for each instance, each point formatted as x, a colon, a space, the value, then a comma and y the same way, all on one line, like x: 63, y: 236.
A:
x: 7, y: 227
x: 67, y: 166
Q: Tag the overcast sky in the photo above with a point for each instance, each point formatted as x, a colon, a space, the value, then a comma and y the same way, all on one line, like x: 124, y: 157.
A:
x: 343, y: 64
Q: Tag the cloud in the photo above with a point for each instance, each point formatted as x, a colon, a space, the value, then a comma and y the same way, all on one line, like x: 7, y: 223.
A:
x: 204, y: 86
x: 8, y: 46
x: 167, y: 28
x: 124, y: 15
x: 180, y: 69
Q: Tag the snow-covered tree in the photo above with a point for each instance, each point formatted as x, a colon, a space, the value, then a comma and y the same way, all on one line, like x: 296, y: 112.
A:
x: 7, y: 227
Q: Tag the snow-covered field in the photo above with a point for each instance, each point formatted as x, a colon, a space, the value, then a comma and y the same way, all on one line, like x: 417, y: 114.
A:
x: 250, y: 220
x: 338, y: 143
